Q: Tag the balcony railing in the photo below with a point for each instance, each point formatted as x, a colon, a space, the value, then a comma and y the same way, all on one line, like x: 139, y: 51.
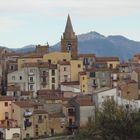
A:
x: 28, y: 114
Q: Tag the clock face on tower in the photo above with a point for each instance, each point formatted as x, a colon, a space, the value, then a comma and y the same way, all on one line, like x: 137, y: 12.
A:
x: 69, y: 47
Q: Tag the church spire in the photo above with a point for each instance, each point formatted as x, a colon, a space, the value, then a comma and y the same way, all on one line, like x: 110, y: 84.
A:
x: 68, y: 28
x: 69, y: 40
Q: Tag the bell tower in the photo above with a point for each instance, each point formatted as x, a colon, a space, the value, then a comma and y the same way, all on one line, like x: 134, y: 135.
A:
x: 69, y: 40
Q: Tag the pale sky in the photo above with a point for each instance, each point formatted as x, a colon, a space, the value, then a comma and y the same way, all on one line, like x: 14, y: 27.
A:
x: 24, y: 22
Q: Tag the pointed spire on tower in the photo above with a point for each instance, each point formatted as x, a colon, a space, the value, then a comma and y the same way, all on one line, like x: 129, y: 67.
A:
x: 68, y: 28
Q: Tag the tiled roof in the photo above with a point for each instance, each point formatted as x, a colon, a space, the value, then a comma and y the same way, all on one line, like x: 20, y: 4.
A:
x: 40, y: 65
x: 86, y: 55
x: 71, y: 83
x: 107, y: 58
x: 32, y: 55
x: 26, y: 93
x: 137, y: 55
x: 13, y: 88
x: 97, y: 69
x: 123, y: 65
x: 64, y: 63
x: 6, y: 98
x: 82, y: 73
x: 85, y: 100
x: 56, y: 115
x: 50, y: 94
x: 40, y: 112
x: 23, y: 104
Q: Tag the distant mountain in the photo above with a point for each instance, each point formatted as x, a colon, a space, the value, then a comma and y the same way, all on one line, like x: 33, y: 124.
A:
x: 28, y: 48
x: 100, y: 45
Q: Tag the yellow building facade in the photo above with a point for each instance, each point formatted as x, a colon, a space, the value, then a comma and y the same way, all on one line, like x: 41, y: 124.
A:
x: 76, y: 67
x: 5, y: 107
x: 83, y: 82
x: 22, y: 61
x: 54, y: 57
x: 40, y: 122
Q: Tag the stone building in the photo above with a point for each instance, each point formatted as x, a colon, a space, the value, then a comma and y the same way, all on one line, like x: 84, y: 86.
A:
x: 69, y: 41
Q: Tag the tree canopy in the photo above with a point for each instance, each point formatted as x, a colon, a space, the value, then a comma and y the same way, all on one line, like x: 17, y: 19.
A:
x: 112, y: 122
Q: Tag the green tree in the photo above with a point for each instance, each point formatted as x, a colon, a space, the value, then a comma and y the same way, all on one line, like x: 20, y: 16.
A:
x: 112, y: 123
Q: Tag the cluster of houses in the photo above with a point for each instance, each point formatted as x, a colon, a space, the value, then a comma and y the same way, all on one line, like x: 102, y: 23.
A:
x: 48, y: 93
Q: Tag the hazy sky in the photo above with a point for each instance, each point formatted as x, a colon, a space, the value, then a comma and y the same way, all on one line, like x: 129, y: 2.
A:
x: 24, y: 22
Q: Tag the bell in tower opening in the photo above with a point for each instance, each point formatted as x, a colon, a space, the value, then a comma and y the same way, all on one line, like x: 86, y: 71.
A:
x: 69, y: 40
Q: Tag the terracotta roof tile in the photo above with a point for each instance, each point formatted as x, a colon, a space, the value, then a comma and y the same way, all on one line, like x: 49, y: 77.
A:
x: 82, y: 73
x: 6, y: 98
x: 24, y: 104
x: 86, y: 55
x: 64, y: 63
x: 13, y: 88
x: 40, y: 112
x: 105, y: 59
x: 56, y: 115
x: 26, y: 93
x: 71, y: 83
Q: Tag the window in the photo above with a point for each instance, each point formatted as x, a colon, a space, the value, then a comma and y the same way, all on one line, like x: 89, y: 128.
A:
x: 65, y: 78
x: 83, y: 90
x: 13, y: 77
x: 20, y: 77
x: 44, y: 86
x: 53, y: 80
x: 44, y: 79
x: 16, y: 135
x: 49, y: 60
x: 83, y: 78
x: 110, y: 66
x: 44, y: 72
x: 53, y: 86
x: 27, y: 135
x: 112, y: 98
x: 6, y: 104
x: 79, y: 66
x: 31, y: 79
x: 83, y: 86
x: 65, y: 69
x: 40, y: 117
x: 6, y: 115
x: 36, y: 126
x: 31, y: 70
x: 13, y: 110
x: 12, y: 67
x: 103, y: 83
x: 103, y: 75
x: 36, y: 133
x: 64, y: 60
x: 69, y: 46
x: 31, y: 87
x: 53, y: 72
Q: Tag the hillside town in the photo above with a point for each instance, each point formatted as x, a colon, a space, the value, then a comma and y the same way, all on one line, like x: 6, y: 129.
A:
x: 45, y: 94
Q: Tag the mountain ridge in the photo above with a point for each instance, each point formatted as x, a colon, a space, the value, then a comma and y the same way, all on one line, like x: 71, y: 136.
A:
x: 94, y: 42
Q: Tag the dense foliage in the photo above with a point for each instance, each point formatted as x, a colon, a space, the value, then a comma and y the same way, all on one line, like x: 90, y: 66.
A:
x: 112, y: 123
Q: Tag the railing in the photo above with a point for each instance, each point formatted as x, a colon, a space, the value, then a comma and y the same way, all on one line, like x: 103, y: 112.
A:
x: 28, y: 114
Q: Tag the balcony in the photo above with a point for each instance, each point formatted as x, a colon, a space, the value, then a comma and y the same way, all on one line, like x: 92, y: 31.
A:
x: 28, y: 114
x: 27, y: 123
x: 30, y: 73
